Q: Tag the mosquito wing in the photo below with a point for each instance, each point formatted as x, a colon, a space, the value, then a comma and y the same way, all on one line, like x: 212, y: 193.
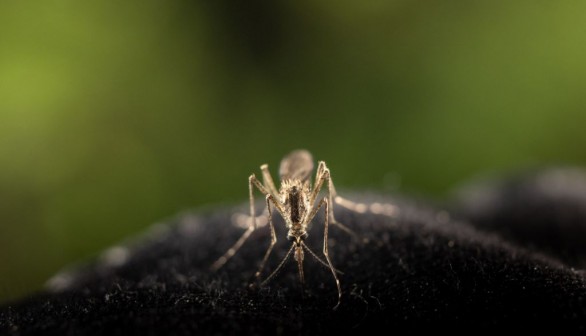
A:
x: 298, y: 165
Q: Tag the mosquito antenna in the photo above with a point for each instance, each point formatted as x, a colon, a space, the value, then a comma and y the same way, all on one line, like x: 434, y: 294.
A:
x: 316, y: 257
x: 278, y: 269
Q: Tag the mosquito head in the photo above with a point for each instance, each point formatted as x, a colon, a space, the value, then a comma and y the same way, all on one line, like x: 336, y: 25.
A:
x: 297, y: 238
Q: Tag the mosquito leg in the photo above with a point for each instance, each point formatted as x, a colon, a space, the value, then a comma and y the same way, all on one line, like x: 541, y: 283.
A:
x: 385, y: 209
x: 324, y: 201
x: 252, y: 182
x: 323, y: 175
x: 269, y: 198
x: 266, y: 190
x: 267, y: 187
x: 326, y: 253
x: 319, y: 181
x: 268, y: 180
x: 346, y: 203
x: 332, y: 196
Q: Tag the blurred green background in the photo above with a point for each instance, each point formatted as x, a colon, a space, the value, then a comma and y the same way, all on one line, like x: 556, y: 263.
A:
x: 116, y: 114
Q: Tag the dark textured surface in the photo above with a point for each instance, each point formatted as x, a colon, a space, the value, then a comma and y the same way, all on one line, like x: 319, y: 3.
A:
x: 514, y: 265
x: 543, y: 211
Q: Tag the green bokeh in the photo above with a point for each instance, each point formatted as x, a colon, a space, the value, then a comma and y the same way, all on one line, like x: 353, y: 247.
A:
x: 114, y: 115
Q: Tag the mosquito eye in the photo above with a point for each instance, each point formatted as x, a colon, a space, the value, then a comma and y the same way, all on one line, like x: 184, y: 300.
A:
x: 304, y: 236
x: 290, y: 238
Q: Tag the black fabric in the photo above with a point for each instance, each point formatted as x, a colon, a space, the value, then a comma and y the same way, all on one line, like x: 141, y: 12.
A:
x: 506, y: 256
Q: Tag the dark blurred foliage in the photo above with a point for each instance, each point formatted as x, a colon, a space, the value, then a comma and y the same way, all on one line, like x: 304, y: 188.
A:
x: 114, y: 115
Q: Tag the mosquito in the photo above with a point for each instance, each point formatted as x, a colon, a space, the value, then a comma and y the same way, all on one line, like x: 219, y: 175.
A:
x: 296, y: 202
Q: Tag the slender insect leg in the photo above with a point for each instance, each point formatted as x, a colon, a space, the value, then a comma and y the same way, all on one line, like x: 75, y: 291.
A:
x: 252, y: 181
x: 269, y: 198
x: 324, y: 201
x: 326, y: 253
x: 332, y: 196
x: 319, y: 181
x: 356, y: 207
x: 268, y: 180
x: 386, y: 209
x: 323, y: 174
x: 267, y: 190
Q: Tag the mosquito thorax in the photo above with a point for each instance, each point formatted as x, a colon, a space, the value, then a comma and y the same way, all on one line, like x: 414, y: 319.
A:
x: 295, y: 196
